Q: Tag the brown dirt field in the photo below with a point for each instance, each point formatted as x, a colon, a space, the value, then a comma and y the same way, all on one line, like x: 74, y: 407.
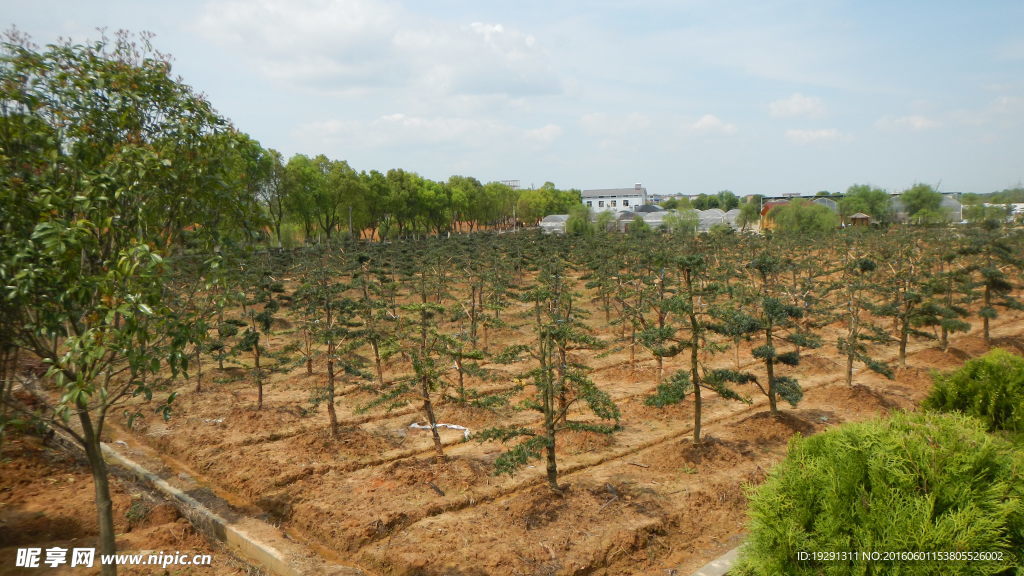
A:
x: 643, y: 501
x: 46, y: 501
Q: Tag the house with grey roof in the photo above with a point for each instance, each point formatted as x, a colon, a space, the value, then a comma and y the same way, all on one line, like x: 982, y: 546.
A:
x: 615, y: 199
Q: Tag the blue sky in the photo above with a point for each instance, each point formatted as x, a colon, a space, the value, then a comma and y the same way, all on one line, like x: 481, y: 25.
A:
x: 684, y: 96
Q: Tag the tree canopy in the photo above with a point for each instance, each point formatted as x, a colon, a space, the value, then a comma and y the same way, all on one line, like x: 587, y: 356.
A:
x: 803, y: 216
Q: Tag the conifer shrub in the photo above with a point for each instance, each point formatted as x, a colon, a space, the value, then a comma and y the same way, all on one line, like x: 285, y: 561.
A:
x: 927, y: 483
x: 990, y: 387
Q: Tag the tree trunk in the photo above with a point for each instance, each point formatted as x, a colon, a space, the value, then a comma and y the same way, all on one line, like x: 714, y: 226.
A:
x: 309, y: 352
x: 101, y: 485
x: 428, y: 407
x: 769, y: 363
x: 698, y: 402
x: 331, y: 413
x: 377, y: 364
x: 987, y: 305
x: 259, y: 378
x: 904, y: 338
x: 199, y: 371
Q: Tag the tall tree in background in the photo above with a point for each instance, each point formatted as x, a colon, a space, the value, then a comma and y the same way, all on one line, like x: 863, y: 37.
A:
x: 98, y: 142
x: 874, y: 202
x: 923, y: 204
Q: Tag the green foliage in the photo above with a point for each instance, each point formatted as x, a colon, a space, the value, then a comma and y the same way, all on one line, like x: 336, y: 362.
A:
x: 672, y: 391
x: 579, y: 223
x: 920, y: 482
x: 990, y: 387
x: 923, y: 204
x: 804, y: 217
x: 874, y: 202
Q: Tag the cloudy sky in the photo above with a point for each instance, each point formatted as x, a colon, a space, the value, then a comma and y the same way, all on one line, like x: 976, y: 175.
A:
x: 761, y: 96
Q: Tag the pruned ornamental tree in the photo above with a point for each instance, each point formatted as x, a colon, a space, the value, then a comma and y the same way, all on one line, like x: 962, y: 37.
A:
x: 98, y: 143
x: 422, y: 339
x: 858, y: 288
x: 906, y: 271
x: 994, y: 253
x: 258, y: 309
x: 375, y: 290
x: 778, y: 324
x: 559, y: 383
x: 331, y: 315
x: 694, y: 303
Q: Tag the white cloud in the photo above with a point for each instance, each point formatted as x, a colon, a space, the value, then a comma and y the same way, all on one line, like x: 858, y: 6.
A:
x: 403, y: 129
x: 360, y: 45
x: 797, y: 105
x: 711, y: 124
x: 813, y: 136
x: 913, y: 122
x: 545, y: 134
x: 603, y: 124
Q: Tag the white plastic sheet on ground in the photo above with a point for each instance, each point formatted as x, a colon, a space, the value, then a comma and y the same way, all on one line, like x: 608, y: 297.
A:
x: 465, y: 431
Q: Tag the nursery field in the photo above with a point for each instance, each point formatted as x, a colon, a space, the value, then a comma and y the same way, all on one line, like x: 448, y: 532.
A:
x: 635, y: 494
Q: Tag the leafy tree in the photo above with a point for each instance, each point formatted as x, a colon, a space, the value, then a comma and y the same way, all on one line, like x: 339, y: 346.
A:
x: 98, y: 142
x: 727, y: 200
x: 804, y: 217
x: 908, y: 482
x: 923, y: 204
x: 750, y: 212
x: 705, y: 202
x: 579, y: 223
x: 863, y: 198
x: 461, y: 192
x: 271, y: 190
x: 301, y: 181
x: 682, y: 223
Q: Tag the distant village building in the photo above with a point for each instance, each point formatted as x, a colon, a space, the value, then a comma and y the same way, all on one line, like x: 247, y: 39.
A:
x: 615, y: 199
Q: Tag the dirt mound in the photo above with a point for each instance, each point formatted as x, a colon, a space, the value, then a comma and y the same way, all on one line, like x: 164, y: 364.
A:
x: 583, y: 441
x: 765, y: 427
x: 351, y: 440
x: 454, y: 473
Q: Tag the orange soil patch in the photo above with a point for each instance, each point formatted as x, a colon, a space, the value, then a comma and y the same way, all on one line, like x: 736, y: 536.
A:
x: 46, y: 501
x: 644, y: 501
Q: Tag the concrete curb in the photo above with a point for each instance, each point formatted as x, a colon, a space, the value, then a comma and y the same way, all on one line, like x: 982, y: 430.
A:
x: 252, y: 539
x: 721, y: 565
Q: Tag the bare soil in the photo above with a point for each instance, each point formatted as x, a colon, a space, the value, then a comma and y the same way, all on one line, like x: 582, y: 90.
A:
x: 642, y: 501
x: 46, y: 501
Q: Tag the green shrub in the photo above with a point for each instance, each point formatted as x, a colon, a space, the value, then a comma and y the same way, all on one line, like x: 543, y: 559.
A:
x: 913, y: 483
x: 990, y: 387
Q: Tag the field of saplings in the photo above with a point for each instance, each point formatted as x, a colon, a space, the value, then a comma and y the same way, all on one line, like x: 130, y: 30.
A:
x: 556, y: 404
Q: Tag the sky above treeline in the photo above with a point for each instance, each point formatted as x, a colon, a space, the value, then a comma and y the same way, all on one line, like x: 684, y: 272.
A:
x: 686, y: 97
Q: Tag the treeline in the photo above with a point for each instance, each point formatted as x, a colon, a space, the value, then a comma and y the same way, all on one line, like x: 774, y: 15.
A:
x: 307, y: 198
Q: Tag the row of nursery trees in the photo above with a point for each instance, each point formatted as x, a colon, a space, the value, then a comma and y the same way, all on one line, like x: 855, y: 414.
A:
x: 122, y: 191
x: 416, y: 322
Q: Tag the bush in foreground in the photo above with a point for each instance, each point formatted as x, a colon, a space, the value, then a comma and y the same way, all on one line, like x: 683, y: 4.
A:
x: 913, y: 483
x: 990, y: 387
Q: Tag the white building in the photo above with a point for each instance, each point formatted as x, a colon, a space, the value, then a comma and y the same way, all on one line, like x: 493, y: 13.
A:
x: 615, y: 199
